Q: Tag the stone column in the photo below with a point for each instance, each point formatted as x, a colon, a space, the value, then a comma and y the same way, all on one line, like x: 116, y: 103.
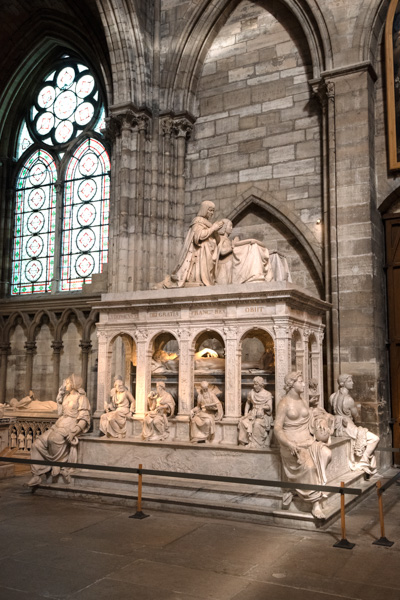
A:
x: 143, y: 372
x: 30, y: 348
x: 282, y: 359
x: 358, y: 263
x: 232, y: 373
x: 164, y: 199
x: 182, y: 127
x: 5, y: 349
x: 186, y: 375
x: 57, y: 346
x: 86, y: 347
x: 103, y: 370
x: 233, y: 406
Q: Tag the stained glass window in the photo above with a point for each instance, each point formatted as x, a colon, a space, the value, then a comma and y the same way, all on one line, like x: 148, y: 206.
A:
x: 61, y: 235
x: 35, y: 218
x: 85, y: 215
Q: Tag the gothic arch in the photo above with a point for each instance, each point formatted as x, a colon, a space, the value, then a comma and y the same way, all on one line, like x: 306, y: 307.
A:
x: 289, y: 221
x: 127, y: 53
x: 189, y: 52
x: 369, y: 28
x: 40, y: 40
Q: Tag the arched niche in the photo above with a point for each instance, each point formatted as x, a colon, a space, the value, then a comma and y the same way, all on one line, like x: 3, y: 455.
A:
x: 164, y: 350
x: 296, y: 352
x: 314, y: 366
x: 122, y: 361
x: 43, y: 372
x: 71, y: 361
x: 16, y: 361
x: 209, y: 360
x: 257, y: 351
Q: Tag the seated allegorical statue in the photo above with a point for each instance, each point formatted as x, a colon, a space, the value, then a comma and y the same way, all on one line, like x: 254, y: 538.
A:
x: 59, y: 443
x: 116, y: 412
x: 205, y: 414
x: 363, y: 441
x: 30, y: 402
x: 254, y: 427
x: 304, y: 457
x: 161, y: 406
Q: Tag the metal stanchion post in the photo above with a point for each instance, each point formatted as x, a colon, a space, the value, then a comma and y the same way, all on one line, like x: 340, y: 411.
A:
x: 139, y: 514
x: 383, y: 541
x: 344, y: 543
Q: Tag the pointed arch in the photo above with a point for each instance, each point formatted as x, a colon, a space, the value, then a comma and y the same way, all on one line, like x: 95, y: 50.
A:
x: 203, y: 25
x: 289, y: 221
x: 127, y: 52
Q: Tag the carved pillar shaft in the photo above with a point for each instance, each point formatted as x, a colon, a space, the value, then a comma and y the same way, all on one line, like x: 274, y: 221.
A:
x: 182, y: 128
x: 30, y: 348
x: 143, y: 374
x: 86, y: 347
x: 123, y: 233
x: 186, y: 379
x: 57, y: 346
x: 102, y: 373
x: 165, y: 197
x: 141, y: 256
x: 282, y: 360
x: 5, y: 349
x: 232, y: 374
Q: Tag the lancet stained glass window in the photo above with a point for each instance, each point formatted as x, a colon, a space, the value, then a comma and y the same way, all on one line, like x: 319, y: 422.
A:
x: 85, y: 214
x: 61, y: 231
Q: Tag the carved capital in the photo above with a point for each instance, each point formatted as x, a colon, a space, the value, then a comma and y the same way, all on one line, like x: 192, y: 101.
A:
x: 85, y: 346
x: 5, y: 348
x: 57, y: 346
x: 166, y: 126
x: 183, y: 334
x: 231, y: 332
x: 323, y: 90
x: 141, y: 335
x: 112, y: 129
x: 30, y: 347
x: 182, y: 127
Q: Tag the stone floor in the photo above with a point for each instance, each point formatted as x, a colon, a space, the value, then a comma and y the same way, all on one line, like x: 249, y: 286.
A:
x: 55, y: 548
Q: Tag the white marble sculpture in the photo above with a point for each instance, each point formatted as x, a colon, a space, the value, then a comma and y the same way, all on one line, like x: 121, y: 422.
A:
x: 210, y: 257
x: 255, y: 426
x: 207, y: 412
x: 117, y: 411
x: 161, y: 406
x: 29, y: 440
x: 322, y: 423
x: 13, y: 443
x: 304, y: 458
x: 196, y: 262
x: 363, y: 441
x: 32, y: 403
x: 240, y: 261
x: 59, y: 443
x: 21, y: 441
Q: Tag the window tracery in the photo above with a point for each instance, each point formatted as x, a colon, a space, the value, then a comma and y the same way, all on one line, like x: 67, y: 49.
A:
x: 62, y: 185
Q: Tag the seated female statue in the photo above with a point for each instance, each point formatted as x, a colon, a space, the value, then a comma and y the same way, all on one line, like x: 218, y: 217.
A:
x: 121, y: 407
x: 204, y: 416
x: 255, y: 425
x: 59, y: 443
x: 161, y: 406
x: 304, y: 458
